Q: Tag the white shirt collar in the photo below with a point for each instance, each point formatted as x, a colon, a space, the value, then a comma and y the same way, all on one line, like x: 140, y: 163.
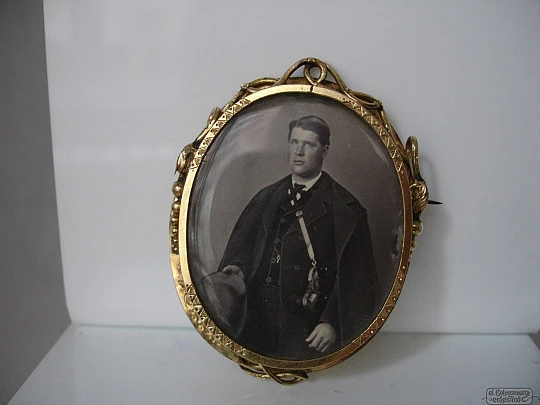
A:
x: 308, y: 184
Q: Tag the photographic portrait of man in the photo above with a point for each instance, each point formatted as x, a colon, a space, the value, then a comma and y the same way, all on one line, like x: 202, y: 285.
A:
x: 297, y: 278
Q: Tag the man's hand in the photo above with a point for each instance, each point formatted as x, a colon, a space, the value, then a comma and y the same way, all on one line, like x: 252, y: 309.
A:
x: 233, y: 269
x: 322, y: 337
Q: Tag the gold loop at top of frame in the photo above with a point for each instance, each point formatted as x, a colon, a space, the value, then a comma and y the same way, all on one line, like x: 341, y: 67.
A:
x: 322, y: 74
x: 310, y: 63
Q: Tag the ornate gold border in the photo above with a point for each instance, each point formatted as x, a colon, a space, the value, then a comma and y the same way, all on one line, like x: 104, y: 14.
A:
x: 414, y: 197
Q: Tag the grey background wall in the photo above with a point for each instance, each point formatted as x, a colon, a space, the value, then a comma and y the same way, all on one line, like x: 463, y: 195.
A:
x: 33, y: 312
x: 130, y: 83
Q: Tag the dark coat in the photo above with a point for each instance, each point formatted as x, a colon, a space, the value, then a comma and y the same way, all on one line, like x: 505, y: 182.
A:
x: 338, y: 228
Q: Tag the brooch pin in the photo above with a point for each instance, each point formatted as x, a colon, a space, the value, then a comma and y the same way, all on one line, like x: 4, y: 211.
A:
x: 294, y: 216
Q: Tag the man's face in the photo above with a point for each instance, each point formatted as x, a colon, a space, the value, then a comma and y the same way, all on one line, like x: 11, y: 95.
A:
x: 306, y: 154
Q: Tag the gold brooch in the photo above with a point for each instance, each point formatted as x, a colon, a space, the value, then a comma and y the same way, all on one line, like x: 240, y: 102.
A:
x: 294, y: 216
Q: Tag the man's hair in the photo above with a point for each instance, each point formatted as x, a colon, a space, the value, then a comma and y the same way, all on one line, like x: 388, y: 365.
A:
x: 313, y: 124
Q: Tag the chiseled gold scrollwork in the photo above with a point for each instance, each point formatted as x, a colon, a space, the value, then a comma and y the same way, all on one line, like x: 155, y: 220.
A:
x: 420, y: 196
x: 419, y: 190
x: 283, y: 377
x: 182, y: 163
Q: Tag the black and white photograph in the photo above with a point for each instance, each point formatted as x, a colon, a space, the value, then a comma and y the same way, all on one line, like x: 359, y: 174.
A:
x: 296, y: 224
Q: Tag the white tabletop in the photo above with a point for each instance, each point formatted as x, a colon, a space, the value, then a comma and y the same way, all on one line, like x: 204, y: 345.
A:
x: 109, y: 365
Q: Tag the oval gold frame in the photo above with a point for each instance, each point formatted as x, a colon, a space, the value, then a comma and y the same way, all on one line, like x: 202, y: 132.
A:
x: 413, y: 193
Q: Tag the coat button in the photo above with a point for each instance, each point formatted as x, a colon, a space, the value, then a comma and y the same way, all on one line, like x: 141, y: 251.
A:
x: 273, y: 260
x: 276, y: 241
x: 282, y: 220
x: 296, y: 267
x: 268, y: 280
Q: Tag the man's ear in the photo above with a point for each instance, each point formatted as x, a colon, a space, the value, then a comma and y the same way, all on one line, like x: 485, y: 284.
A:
x: 325, y: 150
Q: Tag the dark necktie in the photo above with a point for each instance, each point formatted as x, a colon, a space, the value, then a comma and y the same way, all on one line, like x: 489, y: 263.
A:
x: 296, y: 193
